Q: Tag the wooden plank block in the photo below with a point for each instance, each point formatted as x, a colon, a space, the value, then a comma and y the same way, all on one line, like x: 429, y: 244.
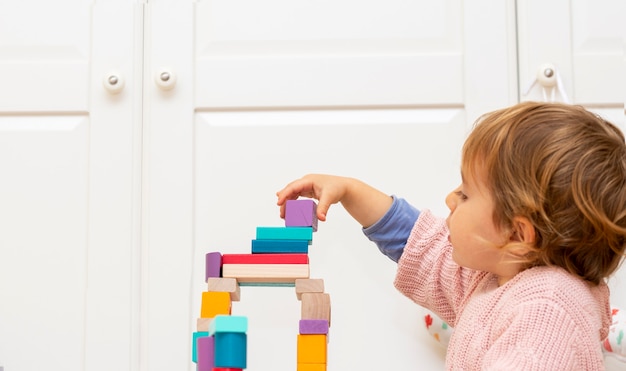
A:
x: 205, y: 356
x: 202, y: 324
x: 221, y: 284
x: 301, y: 213
x: 231, y: 349
x: 308, y: 285
x: 284, y: 233
x: 313, y: 327
x: 214, y: 303
x: 213, y: 265
x: 274, y: 273
x: 280, y: 246
x: 223, y: 323
x: 311, y: 367
x: 315, y: 306
x: 265, y: 259
x: 311, y: 348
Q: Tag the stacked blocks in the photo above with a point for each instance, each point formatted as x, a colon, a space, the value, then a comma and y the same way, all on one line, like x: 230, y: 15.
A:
x: 278, y: 258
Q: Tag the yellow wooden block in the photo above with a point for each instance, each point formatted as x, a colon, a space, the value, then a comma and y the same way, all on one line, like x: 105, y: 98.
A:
x: 311, y: 349
x: 308, y: 285
x: 311, y: 367
x: 315, y: 306
x: 214, y: 303
x: 229, y: 285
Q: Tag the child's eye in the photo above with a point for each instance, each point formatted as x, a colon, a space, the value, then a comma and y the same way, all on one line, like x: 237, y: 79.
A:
x: 461, y: 195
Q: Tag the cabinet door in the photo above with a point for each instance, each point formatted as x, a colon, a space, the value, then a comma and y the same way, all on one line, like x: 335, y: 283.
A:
x: 68, y: 210
x: 265, y: 92
x: 585, y: 41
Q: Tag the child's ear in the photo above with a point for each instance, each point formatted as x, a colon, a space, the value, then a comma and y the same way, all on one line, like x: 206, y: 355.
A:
x: 523, y: 231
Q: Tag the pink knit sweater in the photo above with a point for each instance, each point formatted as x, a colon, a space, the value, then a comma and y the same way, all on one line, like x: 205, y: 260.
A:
x: 542, y: 319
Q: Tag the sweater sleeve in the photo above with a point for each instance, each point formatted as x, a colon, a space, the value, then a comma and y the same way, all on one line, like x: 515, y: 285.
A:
x: 426, y: 272
x: 392, y: 230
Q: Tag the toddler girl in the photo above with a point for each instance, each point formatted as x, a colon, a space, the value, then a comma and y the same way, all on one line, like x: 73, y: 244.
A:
x: 518, y: 267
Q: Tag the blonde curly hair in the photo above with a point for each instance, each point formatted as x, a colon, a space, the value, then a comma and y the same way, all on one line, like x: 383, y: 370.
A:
x: 564, y: 169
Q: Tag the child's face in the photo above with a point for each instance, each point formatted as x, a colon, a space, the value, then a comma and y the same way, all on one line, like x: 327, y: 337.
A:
x: 475, y: 238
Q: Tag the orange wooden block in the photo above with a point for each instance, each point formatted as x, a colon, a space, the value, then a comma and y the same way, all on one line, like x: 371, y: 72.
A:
x: 312, y: 349
x: 229, y: 285
x: 311, y: 367
x: 308, y: 285
x: 315, y: 306
x: 214, y: 303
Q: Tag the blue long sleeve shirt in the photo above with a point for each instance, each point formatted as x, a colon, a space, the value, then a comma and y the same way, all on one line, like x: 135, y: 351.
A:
x: 391, y: 232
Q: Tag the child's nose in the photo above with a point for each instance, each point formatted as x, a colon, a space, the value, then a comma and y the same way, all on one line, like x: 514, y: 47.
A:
x: 451, y: 200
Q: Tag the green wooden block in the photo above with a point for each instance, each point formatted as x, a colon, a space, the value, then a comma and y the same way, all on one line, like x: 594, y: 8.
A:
x: 223, y: 323
x: 267, y: 284
x: 285, y: 233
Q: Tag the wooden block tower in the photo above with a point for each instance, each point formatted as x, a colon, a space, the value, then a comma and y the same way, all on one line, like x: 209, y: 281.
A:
x: 279, y: 257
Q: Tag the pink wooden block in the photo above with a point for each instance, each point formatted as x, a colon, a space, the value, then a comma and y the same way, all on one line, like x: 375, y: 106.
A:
x: 301, y: 213
x: 213, y: 265
x: 313, y: 326
x: 206, y: 353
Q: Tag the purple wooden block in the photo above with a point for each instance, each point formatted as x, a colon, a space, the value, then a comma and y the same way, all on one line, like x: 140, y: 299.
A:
x: 313, y: 326
x: 213, y: 265
x: 206, y: 353
x: 301, y: 213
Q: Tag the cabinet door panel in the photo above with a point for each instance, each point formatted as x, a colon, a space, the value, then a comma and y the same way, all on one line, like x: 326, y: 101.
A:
x: 243, y: 158
x: 42, y: 243
x: 296, y: 53
x: 598, y: 36
x: 69, y: 193
x: 44, y: 55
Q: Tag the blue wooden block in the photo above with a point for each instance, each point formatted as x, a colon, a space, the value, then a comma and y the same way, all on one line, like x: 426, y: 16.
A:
x: 280, y: 246
x: 284, y: 233
x: 223, y: 323
x: 230, y: 349
x: 194, y: 344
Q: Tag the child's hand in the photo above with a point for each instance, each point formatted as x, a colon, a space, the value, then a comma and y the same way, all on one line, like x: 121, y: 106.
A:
x: 363, y: 202
x: 327, y: 189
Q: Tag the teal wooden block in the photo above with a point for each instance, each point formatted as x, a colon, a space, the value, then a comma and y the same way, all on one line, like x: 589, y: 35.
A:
x: 194, y: 344
x: 285, y: 233
x: 280, y: 246
x: 267, y: 284
x: 230, y: 349
x: 222, y: 323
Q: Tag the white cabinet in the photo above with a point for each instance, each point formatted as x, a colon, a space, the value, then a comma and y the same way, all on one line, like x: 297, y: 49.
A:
x: 69, y: 196
x: 111, y: 196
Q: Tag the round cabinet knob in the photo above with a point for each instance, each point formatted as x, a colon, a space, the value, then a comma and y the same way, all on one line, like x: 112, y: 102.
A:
x: 113, y: 82
x: 165, y: 79
x: 546, y: 75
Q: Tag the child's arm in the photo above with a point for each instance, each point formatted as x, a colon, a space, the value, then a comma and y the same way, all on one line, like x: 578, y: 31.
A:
x: 363, y: 202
